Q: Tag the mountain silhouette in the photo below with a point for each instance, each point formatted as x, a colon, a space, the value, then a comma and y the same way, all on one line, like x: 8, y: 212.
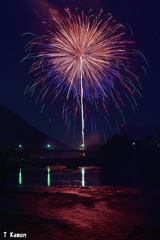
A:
x: 140, y: 132
x: 14, y: 131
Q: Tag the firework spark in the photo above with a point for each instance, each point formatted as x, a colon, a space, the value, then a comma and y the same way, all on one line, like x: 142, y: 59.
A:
x: 89, y: 60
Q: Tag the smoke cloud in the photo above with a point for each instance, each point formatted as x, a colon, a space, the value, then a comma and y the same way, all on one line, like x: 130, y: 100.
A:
x: 43, y: 9
x: 93, y: 139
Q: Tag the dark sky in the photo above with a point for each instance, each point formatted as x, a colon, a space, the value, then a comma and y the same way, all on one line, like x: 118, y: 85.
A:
x: 20, y: 16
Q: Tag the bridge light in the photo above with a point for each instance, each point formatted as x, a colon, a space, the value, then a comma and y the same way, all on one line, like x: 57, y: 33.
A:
x: 20, y: 146
x: 48, y: 146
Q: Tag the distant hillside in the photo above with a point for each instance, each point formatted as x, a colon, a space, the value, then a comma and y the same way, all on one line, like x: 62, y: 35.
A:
x: 14, y: 131
x: 140, y: 131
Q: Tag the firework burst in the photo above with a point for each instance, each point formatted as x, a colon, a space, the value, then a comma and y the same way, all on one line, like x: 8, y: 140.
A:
x: 88, y: 59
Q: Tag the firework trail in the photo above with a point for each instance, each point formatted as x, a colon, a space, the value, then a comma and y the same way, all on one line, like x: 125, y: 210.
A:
x: 89, y: 60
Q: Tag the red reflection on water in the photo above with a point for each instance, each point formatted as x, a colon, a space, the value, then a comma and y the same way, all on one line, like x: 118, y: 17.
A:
x: 92, y: 212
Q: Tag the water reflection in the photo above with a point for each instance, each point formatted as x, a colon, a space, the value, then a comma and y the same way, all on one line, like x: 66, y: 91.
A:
x: 83, y: 176
x: 20, y: 177
x: 54, y: 176
x: 48, y: 176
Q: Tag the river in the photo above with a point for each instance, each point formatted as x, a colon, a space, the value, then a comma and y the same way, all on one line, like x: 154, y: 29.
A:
x: 56, y: 203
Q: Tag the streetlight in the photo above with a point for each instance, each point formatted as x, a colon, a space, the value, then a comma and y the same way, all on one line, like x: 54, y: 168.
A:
x: 20, y: 146
x: 82, y: 148
x: 48, y: 146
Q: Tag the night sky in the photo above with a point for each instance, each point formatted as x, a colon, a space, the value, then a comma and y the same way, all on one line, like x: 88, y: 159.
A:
x: 20, y: 16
